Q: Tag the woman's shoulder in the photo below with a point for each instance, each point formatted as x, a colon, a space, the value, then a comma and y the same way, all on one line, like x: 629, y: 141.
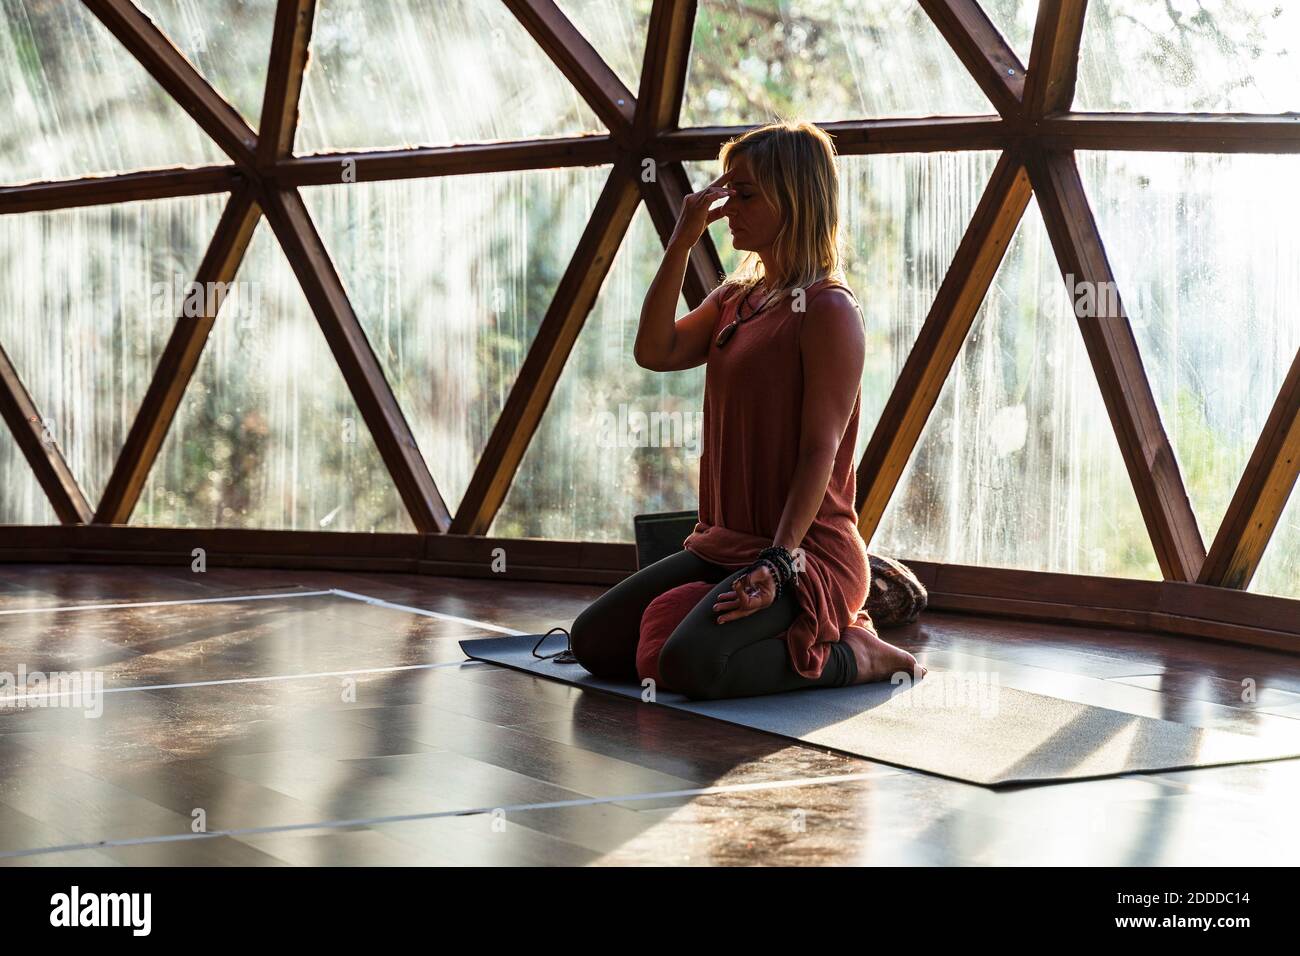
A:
x: 832, y: 313
x: 831, y: 283
x: 831, y: 288
x: 726, y: 294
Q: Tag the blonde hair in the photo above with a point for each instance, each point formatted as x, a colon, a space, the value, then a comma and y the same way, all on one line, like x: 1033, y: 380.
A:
x: 794, y: 167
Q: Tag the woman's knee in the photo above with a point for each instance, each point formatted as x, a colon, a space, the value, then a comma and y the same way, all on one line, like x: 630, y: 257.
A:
x: 687, y: 667
x: 589, y: 640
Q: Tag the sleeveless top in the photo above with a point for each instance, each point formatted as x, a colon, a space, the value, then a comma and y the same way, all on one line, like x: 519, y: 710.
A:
x: 753, y: 402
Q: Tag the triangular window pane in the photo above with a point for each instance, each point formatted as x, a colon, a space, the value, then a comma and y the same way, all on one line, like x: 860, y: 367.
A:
x: 22, y: 500
x: 815, y: 60
x: 228, y: 41
x: 1207, y: 259
x: 78, y: 104
x: 1018, y: 465
x: 268, y: 435
x: 616, y: 440
x: 85, y: 337
x: 617, y: 29
x: 1279, y: 569
x: 451, y: 278
x: 430, y: 73
x: 1015, y: 21
x: 1186, y: 56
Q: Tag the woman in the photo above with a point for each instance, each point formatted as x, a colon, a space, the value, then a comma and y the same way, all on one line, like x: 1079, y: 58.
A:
x: 784, y: 343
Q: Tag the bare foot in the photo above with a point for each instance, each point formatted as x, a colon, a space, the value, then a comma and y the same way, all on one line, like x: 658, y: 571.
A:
x: 878, y: 660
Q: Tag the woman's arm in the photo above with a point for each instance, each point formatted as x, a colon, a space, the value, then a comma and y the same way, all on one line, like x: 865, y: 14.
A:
x: 833, y: 344
x: 665, y: 344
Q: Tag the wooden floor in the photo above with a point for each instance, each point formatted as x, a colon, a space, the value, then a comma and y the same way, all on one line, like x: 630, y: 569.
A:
x: 271, y: 717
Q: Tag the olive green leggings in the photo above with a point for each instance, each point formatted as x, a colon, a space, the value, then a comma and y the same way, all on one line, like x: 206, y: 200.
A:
x: 702, y: 659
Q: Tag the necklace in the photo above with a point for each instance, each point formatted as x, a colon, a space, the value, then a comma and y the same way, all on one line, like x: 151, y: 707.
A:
x: 730, y: 329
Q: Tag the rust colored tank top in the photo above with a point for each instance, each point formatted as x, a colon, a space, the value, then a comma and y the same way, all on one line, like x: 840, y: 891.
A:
x: 753, y: 400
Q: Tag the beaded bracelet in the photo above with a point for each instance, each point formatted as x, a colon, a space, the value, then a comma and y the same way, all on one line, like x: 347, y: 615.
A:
x: 783, y: 560
x: 776, y: 575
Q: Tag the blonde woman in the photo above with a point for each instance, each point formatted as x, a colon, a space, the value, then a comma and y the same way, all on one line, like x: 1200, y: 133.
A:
x: 784, y: 343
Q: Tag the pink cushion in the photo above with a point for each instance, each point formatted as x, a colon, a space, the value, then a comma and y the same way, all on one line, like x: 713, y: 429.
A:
x: 660, y: 619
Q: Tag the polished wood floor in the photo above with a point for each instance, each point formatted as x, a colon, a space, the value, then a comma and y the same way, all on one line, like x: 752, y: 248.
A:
x: 302, y: 729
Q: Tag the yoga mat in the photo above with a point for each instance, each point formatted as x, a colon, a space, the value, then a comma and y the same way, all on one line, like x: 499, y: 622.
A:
x: 952, y: 724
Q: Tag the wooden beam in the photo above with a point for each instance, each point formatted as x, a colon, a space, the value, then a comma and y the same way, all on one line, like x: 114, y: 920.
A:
x: 982, y: 50
x: 531, y: 559
x: 1219, y: 614
x: 320, y: 283
x: 1054, y: 57
x: 178, y: 77
x: 1113, y: 350
x: 564, y: 319
x: 663, y: 72
x: 128, y: 187
x: 578, y: 60
x: 224, y: 547
x: 1173, y: 132
x: 289, y: 48
x: 179, y: 359
x: 1193, y: 610
x: 47, y: 461
x: 664, y: 197
x: 578, y: 562
x: 856, y: 137
x: 940, y: 340
x: 323, y: 169
x: 1261, y: 495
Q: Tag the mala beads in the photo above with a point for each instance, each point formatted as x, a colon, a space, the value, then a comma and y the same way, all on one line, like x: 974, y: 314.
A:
x: 781, y: 562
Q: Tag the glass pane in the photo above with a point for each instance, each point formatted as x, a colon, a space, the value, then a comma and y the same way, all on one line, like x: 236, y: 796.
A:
x: 898, y: 241
x: 617, y: 29
x: 1279, y: 571
x: 85, y: 337
x: 267, y: 435
x: 228, y: 41
x: 1207, y: 258
x: 616, y: 440
x: 1015, y: 21
x: 1200, y: 56
x: 1018, y: 465
x: 752, y: 62
x: 21, y: 499
x: 76, y: 103
x: 451, y: 278
x: 430, y: 73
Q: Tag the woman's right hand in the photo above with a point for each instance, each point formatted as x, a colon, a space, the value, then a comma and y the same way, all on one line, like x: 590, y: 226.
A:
x: 696, y: 214
x: 750, y: 592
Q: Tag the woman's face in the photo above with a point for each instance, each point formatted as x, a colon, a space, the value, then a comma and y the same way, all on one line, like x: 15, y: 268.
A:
x: 753, y: 220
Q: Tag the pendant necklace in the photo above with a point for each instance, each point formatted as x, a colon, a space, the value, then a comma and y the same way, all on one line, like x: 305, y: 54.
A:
x: 730, y: 329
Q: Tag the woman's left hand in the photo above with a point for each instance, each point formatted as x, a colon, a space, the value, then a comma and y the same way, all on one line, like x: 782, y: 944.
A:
x: 749, y: 593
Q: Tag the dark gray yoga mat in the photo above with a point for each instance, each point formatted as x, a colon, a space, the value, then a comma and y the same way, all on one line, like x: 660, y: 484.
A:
x: 959, y: 726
